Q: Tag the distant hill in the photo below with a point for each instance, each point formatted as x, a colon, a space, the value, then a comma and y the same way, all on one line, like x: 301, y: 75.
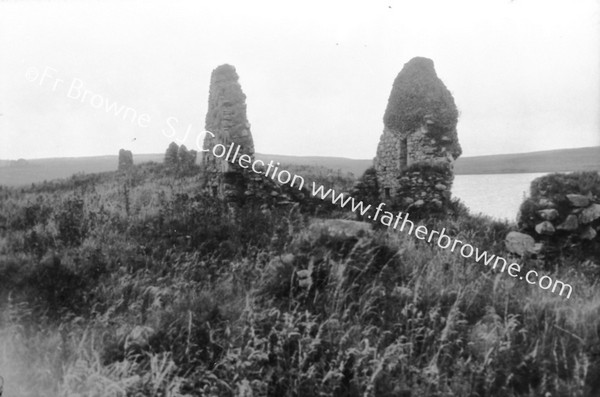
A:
x: 25, y: 172
x: 357, y: 167
x: 17, y: 173
x: 580, y: 159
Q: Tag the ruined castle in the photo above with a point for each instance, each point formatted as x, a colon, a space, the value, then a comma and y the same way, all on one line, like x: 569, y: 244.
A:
x: 419, y: 129
x: 419, y: 136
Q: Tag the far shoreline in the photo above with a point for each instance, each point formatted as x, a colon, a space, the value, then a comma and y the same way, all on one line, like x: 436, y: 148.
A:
x: 25, y: 172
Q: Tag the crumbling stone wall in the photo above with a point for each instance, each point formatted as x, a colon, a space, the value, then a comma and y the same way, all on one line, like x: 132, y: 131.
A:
x: 424, y: 146
x: 171, y: 159
x: 226, y: 119
x: 419, y: 127
x: 366, y: 189
x: 423, y: 187
x: 125, y: 160
x: 179, y: 160
x: 563, y: 213
x: 388, y: 163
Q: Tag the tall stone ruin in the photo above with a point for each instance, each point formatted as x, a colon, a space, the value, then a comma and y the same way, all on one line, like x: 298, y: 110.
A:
x: 226, y: 120
x: 419, y: 132
x: 125, y: 160
x: 223, y: 176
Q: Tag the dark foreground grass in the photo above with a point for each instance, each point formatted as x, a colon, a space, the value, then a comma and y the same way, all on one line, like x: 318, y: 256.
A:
x: 140, y: 285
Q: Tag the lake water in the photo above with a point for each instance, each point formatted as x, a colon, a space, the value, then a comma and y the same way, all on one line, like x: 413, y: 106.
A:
x: 497, y: 195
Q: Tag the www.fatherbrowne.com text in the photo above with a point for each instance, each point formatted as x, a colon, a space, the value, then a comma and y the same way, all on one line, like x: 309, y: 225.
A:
x: 399, y: 221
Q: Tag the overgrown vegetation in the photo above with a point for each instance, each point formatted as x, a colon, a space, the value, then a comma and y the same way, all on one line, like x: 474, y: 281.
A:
x: 140, y: 284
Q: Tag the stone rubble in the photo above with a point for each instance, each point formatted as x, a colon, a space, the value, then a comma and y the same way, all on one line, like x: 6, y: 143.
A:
x: 561, y: 214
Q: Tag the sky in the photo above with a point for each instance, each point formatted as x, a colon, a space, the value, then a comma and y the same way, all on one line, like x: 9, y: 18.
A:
x: 525, y: 74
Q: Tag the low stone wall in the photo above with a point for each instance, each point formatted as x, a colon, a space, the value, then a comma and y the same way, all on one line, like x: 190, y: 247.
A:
x: 563, y: 212
x: 268, y: 194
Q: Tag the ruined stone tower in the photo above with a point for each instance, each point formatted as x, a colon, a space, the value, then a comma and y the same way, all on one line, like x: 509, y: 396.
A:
x: 125, y: 160
x: 226, y: 119
x: 419, y: 128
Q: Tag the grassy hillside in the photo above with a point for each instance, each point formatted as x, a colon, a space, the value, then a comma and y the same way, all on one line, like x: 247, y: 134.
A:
x: 26, y: 172
x: 583, y: 159
x: 141, y: 285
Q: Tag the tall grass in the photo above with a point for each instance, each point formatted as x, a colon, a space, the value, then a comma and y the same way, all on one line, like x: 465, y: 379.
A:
x: 174, y: 297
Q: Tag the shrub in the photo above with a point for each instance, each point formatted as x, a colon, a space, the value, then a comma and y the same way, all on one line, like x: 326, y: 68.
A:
x: 367, y: 189
x: 71, y: 221
x: 56, y: 286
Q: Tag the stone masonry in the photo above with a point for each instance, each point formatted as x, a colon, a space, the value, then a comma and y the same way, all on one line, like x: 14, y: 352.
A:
x: 125, y: 160
x: 226, y: 119
x: 419, y: 127
x: 563, y: 213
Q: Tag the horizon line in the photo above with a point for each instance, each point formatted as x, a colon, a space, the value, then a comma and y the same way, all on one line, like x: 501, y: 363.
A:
x: 298, y: 156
